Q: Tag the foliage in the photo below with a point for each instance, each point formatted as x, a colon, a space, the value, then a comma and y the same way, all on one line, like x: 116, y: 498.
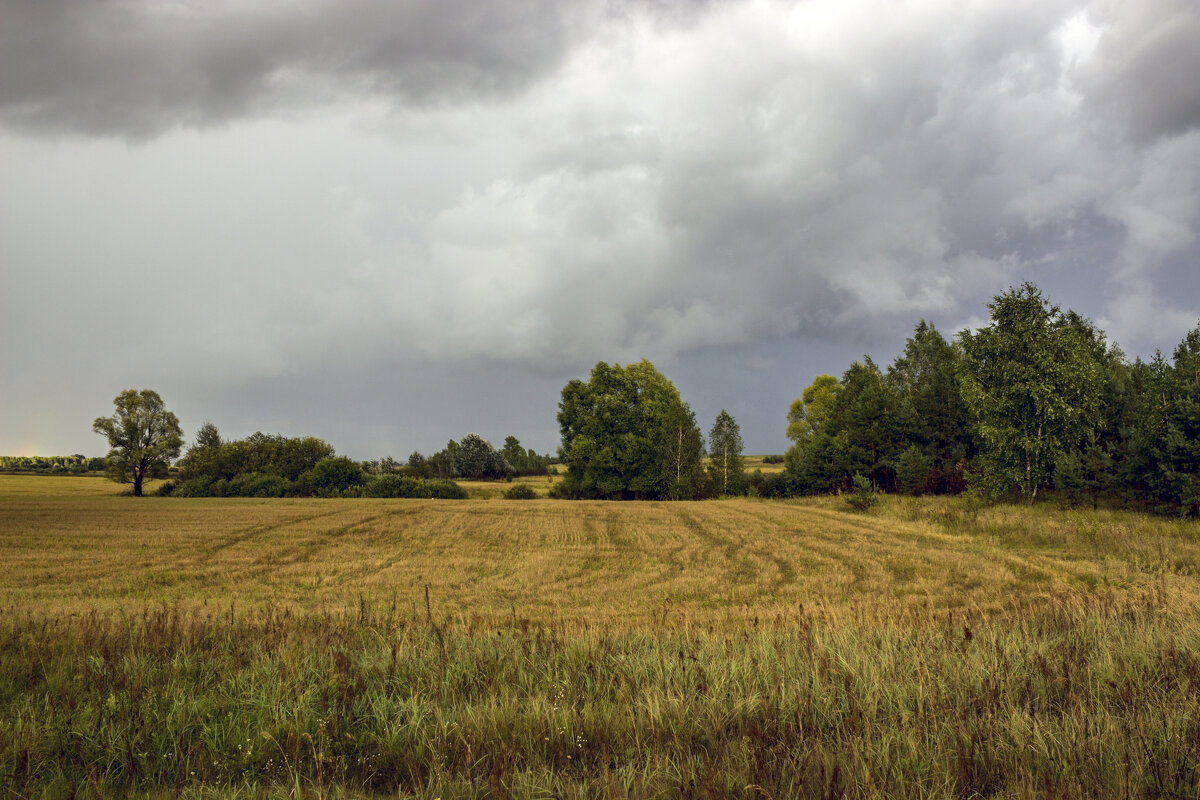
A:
x: 913, y: 470
x: 288, y: 458
x: 476, y: 459
x: 931, y: 414
x: 396, y: 486
x: 812, y: 409
x: 442, y: 489
x: 864, y: 496
x: 627, y: 434
x: 726, y: 467
x: 334, y: 475
x: 75, y: 464
x: 143, y: 435
x: 1033, y: 381
x: 521, y: 491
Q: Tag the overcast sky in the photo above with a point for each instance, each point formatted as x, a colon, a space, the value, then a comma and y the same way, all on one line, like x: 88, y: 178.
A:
x: 389, y: 223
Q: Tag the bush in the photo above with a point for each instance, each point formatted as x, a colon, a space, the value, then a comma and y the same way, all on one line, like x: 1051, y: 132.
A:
x: 446, y: 490
x: 165, y: 489
x: 396, y: 486
x: 195, y: 487
x: 257, y: 484
x: 522, y: 491
x: 331, y: 477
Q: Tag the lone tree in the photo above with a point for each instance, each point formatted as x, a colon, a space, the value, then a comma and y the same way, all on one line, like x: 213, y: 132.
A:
x: 143, y: 436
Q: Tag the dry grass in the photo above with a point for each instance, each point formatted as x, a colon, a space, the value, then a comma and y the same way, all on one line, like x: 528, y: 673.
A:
x: 282, y: 648
x: 488, y: 490
x: 624, y: 565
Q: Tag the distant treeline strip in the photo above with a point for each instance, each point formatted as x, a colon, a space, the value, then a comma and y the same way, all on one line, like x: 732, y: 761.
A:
x: 72, y: 464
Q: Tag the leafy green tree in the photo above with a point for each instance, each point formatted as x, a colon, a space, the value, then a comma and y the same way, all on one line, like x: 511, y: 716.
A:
x: 475, y: 458
x: 812, y: 409
x: 1181, y: 443
x: 514, y: 454
x: 726, y: 467
x: 627, y: 434
x: 1033, y: 383
x: 418, y: 466
x: 331, y: 476
x: 143, y: 436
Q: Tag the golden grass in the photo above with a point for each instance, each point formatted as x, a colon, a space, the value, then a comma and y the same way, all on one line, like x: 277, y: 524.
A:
x: 486, y: 490
x: 622, y: 565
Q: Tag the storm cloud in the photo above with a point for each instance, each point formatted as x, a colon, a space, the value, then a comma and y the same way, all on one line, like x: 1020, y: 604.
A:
x: 521, y: 189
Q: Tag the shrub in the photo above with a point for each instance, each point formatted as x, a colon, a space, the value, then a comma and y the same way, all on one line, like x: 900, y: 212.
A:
x: 522, y: 491
x: 331, y: 477
x: 446, y: 490
x: 396, y: 486
x: 257, y: 484
x: 165, y: 489
x: 195, y: 487
x: 864, y: 496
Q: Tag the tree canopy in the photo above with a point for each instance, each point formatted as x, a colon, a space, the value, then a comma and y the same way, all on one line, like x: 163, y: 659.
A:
x: 627, y: 434
x: 143, y: 435
x: 1032, y: 379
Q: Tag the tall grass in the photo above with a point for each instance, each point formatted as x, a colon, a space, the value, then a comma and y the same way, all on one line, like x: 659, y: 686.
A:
x: 218, y: 648
x: 1077, y: 697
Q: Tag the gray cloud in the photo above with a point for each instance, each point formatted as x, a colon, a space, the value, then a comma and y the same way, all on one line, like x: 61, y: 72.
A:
x: 419, y: 200
x: 1142, y: 80
x: 135, y: 69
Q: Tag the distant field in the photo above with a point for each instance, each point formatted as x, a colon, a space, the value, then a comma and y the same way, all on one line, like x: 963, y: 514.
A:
x: 70, y: 544
x: 741, y: 648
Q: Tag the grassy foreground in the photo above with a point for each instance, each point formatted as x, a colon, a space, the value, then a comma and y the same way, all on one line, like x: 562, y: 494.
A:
x: 728, y: 649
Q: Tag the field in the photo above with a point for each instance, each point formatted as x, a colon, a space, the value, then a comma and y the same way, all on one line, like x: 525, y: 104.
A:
x: 491, y: 648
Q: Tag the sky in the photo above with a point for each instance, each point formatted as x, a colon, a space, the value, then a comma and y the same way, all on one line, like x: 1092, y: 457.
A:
x: 391, y: 223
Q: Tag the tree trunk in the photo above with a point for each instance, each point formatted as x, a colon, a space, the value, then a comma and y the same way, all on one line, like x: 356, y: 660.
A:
x: 137, y: 483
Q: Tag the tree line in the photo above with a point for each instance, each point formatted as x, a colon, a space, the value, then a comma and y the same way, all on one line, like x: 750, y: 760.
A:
x: 1036, y: 399
x: 74, y: 464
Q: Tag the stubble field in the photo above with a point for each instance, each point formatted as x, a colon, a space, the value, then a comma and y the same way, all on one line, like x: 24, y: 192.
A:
x: 720, y: 649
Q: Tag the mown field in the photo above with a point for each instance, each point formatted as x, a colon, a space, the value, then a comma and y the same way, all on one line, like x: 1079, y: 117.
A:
x: 491, y: 648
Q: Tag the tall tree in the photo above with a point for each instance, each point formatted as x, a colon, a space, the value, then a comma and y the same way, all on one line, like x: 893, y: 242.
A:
x: 143, y: 435
x: 726, y: 465
x: 1033, y: 382
x: 932, y: 416
x: 627, y: 434
x: 812, y: 409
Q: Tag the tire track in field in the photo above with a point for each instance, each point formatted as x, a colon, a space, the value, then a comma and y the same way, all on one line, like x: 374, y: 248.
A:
x: 302, y: 552
x: 1022, y: 569
x: 743, y: 571
x: 237, y: 537
x: 839, y: 548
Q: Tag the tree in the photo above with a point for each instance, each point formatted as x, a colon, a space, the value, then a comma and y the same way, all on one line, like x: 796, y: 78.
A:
x: 143, y: 435
x: 931, y: 413
x: 811, y: 410
x: 627, y: 434
x: 725, y: 453
x: 1033, y: 382
x: 475, y: 458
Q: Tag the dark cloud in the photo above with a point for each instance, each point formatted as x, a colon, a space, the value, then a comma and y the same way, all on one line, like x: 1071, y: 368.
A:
x: 1143, y: 80
x: 483, y: 199
x: 114, y: 67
